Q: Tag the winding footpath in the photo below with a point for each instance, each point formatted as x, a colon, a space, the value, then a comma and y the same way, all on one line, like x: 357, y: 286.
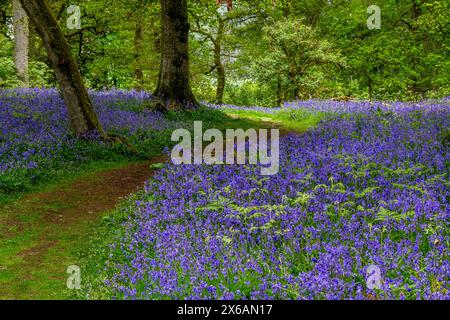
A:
x: 39, y: 232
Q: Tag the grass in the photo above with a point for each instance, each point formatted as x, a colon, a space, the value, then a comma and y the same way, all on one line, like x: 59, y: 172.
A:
x: 285, y: 119
x: 94, y: 253
x: 24, y: 259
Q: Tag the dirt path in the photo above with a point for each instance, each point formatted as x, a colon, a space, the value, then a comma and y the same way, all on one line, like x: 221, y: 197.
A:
x: 39, y: 232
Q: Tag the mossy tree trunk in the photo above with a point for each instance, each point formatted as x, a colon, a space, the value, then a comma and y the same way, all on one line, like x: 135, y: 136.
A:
x: 83, y: 118
x: 138, y: 44
x: 174, y: 89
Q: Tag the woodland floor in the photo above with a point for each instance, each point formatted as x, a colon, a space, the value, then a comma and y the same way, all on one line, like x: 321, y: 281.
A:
x: 39, y: 231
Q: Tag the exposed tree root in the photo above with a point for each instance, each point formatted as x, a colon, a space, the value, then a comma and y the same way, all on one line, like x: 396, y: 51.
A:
x: 118, y: 139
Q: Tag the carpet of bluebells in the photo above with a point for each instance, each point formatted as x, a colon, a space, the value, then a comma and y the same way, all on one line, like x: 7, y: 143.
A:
x: 368, y: 186
x: 35, y: 133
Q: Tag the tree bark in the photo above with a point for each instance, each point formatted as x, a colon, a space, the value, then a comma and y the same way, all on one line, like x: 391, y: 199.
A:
x: 21, y: 38
x: 370, y: 87
x: 82, y: 116
x: 218, y: 62
x: 174, y: 89
x: 280, y: 95
x: 138, y: 41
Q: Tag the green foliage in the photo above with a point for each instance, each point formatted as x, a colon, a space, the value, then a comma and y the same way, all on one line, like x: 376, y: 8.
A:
x: 407, y: 59
x: 248, y: 93
x: 40, y: 75
x: 7, y: 74
x: 271, y: 50
x: 296, y: 58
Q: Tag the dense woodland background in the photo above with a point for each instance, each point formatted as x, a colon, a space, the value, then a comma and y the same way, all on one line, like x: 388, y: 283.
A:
x: 253, y: 52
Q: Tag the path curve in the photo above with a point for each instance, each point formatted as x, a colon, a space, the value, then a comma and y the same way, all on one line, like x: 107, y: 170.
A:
x: 38, y: 232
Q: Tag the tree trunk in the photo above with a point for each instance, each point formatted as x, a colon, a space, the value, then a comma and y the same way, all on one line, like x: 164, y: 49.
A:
x: 81, y: 113
x: 138, y: 41
x: 220, y: 83
x: 370, y: 87
x: 218, y: 62
x: 286, y: 9
x: 279, y: 93
x: 21, y: 36
x: 174, y: 90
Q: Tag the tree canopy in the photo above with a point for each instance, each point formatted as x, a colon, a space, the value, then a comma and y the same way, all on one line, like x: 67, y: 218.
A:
x: 247, y: 52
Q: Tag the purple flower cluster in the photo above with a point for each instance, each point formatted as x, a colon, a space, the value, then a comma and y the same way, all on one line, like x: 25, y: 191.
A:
x: 34, y: 125
x: 339, y: 107
x: 361, y: 189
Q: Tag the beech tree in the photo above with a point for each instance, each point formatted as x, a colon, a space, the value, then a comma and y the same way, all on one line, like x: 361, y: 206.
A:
x: 216, y: 38
x: 174, y: 88
x: 213, y: 25
x: 82, y: 116
x: 21, y: 39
